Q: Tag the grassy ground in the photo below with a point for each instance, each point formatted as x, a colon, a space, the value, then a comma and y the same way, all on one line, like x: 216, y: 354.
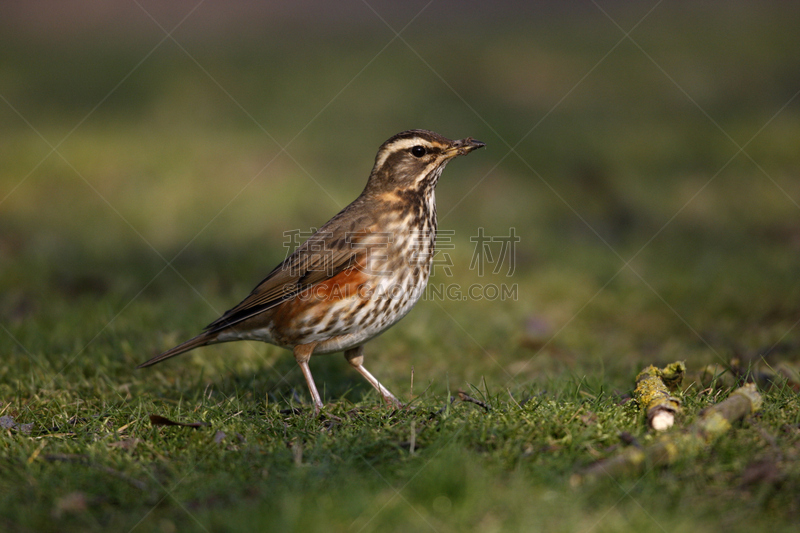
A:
x: 143, y: 190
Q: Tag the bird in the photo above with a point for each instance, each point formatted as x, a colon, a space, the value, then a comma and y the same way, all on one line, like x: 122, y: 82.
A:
x: 358, y: 274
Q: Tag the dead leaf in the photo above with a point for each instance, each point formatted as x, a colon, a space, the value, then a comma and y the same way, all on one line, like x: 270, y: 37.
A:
x: 72, y: 503
x: 219, y: 437
x: 158, y: 420
x: 8, y: 422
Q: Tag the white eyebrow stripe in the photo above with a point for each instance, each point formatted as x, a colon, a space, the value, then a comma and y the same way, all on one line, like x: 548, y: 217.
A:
x: 398, y: 145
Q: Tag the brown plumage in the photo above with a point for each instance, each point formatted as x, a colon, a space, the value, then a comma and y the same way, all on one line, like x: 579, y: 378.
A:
x: 358, y: 274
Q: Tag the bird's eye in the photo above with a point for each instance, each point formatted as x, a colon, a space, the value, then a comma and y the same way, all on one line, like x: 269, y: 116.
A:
x: 418, y: 151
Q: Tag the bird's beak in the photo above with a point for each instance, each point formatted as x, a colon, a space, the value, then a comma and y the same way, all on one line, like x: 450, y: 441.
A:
x: 463, y: 147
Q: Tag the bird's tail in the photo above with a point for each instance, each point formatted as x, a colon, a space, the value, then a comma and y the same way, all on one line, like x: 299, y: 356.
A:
x: 191, y: 344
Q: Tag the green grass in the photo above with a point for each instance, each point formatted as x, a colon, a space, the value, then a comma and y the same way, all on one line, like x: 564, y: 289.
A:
x: 507, y: 469
x: 646, y: 237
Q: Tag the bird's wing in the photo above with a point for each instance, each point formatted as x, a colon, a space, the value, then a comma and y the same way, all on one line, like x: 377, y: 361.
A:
x: 340, y: 244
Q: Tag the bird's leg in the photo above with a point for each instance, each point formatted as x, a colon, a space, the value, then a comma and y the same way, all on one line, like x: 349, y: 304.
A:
x: 302, y: 353
x: 355, y: 356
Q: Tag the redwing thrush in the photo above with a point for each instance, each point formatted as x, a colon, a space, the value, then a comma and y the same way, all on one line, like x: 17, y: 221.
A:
x: 358, y: 274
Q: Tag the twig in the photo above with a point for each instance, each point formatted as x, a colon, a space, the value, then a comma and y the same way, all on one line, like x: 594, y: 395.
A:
x: 411, y: 393
x: 464, y: 397
x: 512, y: 398
x: 652, y: 393
x: 713, y: 423
x: 297, y: 452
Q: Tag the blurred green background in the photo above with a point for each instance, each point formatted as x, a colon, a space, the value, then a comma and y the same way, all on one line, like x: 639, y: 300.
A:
x: 644, y: 153
x: 152, y: 157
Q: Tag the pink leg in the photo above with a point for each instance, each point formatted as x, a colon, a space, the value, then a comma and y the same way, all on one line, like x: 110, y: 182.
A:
x: 355, y: 356
x: 302, y: 354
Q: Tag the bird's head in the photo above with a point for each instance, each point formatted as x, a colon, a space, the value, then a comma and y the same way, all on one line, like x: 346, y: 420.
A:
x: 413, y: 160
